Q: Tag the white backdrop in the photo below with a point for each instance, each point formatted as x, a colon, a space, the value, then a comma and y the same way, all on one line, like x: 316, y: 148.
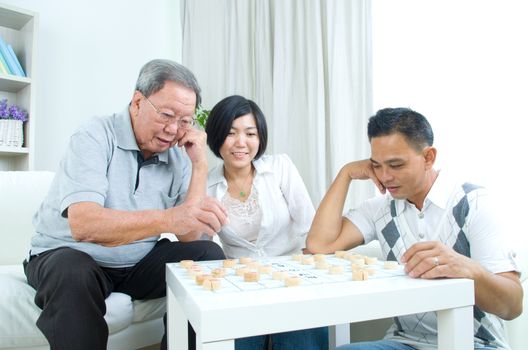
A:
x: 464, y: 65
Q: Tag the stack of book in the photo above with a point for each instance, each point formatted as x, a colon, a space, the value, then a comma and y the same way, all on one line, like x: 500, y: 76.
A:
x: 9, y: 63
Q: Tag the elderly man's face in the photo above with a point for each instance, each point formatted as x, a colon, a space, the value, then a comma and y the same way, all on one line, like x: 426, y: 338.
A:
x: 154, y: 133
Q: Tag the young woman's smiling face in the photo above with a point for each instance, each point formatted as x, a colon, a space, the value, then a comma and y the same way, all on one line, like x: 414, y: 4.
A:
x: 242, y: 143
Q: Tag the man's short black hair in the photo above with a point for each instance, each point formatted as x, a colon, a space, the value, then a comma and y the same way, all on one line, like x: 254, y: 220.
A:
x: 221, y: 120
x: 412, y: 125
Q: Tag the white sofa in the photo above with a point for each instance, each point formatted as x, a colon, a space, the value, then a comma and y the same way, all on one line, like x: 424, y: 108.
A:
x: 132, y: 324
x: 515, y: 329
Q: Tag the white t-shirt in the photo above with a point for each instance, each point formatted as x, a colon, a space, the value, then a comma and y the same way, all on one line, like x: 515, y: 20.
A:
x: 460, y: 216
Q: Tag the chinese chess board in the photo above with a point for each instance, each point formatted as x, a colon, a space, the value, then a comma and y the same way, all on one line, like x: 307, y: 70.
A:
x: 245, y: 274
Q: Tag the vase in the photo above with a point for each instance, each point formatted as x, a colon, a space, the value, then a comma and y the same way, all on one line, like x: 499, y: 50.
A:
x: 11, y: 133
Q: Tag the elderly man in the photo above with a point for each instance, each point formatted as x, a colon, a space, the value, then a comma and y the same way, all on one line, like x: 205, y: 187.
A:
x: 123, y: 181
x: 435, y: 225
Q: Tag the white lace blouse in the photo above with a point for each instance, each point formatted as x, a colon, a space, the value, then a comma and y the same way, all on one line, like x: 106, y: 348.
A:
x: 244, y: 217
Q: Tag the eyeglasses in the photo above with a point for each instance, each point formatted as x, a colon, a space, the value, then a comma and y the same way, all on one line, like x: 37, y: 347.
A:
x: 168, y: 119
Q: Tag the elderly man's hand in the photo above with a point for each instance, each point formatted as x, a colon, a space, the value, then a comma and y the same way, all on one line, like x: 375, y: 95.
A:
x: 207, y: 216
x: 195, y: 143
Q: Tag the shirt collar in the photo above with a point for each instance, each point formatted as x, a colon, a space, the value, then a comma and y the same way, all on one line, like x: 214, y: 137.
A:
x: 125, y: 138
x: 262, y: 167
x: 216, y: 175
x: 438, y: 195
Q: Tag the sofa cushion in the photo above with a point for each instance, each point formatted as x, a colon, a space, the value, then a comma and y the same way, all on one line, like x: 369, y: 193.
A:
x: 18, y: 312
x: 146, y: 310
x: 21, y: 193
x: 119, y: 312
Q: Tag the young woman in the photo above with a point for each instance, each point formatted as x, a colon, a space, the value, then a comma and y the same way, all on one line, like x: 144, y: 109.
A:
x: 269, y: 209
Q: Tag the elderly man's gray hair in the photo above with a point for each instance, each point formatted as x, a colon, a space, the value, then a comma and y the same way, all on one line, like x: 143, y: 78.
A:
x: 155, y: 73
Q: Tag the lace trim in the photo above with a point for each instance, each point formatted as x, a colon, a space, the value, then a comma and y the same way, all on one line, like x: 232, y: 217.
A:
x: 242, y: 209
x: 245, y: 217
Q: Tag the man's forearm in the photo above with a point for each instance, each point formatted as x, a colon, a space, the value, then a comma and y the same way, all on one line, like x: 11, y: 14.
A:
x: 198, y: 185
x: 499, y: 294
x: 90, y: 222
x: 327, y: 222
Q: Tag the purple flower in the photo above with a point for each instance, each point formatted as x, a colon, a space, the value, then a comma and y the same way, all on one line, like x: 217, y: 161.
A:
x: 4, y: 114
x: 18, y: 113
x: 12, y: 112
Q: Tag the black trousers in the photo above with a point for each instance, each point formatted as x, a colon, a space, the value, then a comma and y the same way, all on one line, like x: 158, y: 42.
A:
x: 72, y: 288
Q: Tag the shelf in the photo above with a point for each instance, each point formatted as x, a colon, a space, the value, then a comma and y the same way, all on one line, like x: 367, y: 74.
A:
x: 13, y: 151
x: 12, y: 83
x: 18, y: 27
x: 14, y: 17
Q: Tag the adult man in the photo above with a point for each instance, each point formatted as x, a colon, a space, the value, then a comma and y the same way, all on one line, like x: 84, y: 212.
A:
x: 120, y: 185
x: 435, y: 226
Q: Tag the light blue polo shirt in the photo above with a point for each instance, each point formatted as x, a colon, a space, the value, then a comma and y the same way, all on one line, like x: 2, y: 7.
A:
x: 101, y: 166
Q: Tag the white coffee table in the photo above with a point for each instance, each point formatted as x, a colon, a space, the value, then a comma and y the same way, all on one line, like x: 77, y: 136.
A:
x: 220, y: 317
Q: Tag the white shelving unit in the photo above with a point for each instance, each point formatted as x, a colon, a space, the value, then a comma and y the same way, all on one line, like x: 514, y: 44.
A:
x: 18, y: 27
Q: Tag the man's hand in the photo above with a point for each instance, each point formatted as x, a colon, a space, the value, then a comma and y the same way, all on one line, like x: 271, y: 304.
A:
x: 434, y: 260
x: 193, y: 217
x: 363, y: 170
x: 195, y: 143
x: 500, y: 294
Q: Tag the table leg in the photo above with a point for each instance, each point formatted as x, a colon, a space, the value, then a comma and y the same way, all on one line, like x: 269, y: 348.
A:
x: 455, y: 329
x: 339, y: 335
x: 176, y: 324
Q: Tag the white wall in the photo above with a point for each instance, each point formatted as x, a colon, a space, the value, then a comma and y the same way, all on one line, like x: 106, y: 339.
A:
x: 89, y: 56
x: 464, y: 65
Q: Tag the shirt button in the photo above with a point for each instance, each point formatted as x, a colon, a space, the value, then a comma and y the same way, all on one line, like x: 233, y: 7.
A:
x: 421, y: 235
x: 421, y: 215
